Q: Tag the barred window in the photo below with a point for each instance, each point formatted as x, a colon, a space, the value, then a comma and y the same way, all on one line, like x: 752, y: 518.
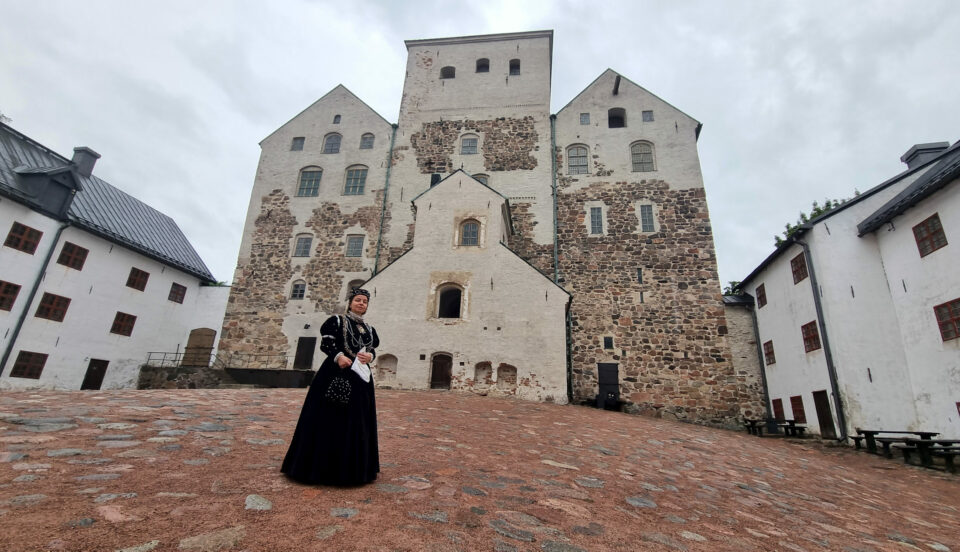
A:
x: 354, y: 246
x: 514, y: 66
x: 811, y: 336
x: 929, y: 235
x: 470, y: 233
x: 366, y: 141
x: 123, y: 324
x: 52, y: 307
x: 177, y: 293
x: 331, y: 143
x: 448, y: 72
x: 299, y: 290
x: 577, y: 160
x: 646, y: 218
x: 28, y: 365
x: 468, y: 145
x: 596, y: 220
x: 72, y: 255
x: 137, y: 279
x: 948, y: 319
x: 356, y: 181
x: 310, y: 183
x: 798, y: 265
x: 8, y: 295
x: 641, y: 156
x: 23, y: 237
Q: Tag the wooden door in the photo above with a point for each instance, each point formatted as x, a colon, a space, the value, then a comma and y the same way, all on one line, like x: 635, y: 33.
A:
x: 199, y: 347
x: 440, y: 374
x: 95, y: 372
x: 304, y: 358
x: 824, y: 415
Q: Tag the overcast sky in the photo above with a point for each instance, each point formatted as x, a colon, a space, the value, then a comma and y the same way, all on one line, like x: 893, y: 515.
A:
x: 800, y: 101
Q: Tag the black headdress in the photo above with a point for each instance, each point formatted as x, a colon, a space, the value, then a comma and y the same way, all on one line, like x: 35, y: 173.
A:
x: 357, y: 291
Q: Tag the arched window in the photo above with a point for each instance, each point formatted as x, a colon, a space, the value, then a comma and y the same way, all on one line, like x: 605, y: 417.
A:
x: 309, y: 182
x: 299, y: 290
x: 617, y: 117
x: 469, y: 144
x: 641, y: 155
x: 366, y: 141
x: 302, y: 247
x: 483, y: 65
x: 448, y: 72
x: 577, y: 160
x: 470, y: 233
x: 356, y: 180
x: 482, y: 178
x: 336, y: 119
x: 483, y: 373
x: 506, y: 378
x: 331, y: 143
x: 514, y: 66
x: 448, y: 302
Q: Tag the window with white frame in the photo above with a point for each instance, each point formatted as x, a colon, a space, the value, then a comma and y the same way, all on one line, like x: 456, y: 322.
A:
x: 641, y: 156
x: 468, y: 144
x: 577, y: 160
x: 355, y: 246
x: 356, y: 180
x: 646, y: 218
x: 596, y: 220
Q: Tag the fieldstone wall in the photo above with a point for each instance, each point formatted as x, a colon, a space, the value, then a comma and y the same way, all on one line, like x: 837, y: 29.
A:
x: 743, y: 346
x: 522, y: 242
x: 668, y: 330
x: 181, y: 377
x: 506, y: 144
x: 255, y: 309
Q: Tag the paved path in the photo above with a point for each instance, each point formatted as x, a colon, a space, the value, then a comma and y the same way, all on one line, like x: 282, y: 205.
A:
x: 198, y: 470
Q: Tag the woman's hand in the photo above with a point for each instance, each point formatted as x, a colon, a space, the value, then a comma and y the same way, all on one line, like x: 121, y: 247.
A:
x: 365, y: 358
x: 344, y: 361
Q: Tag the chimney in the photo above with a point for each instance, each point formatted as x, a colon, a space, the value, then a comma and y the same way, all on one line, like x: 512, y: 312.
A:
x: 921, y: 153
x: 85, y: 158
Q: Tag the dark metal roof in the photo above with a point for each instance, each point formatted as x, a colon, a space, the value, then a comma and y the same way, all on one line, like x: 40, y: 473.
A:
x: 99, y: 207
x: 945, y: 171
x: 743, y: 300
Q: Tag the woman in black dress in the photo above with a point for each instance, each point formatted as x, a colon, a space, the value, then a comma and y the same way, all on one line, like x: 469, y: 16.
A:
x: 335, y: 442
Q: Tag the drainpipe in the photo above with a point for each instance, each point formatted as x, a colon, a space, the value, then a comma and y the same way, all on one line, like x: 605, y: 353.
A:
x: 383, y: 208
x: 770, y: 422
x: 33, y: 294
x: 831, y: 369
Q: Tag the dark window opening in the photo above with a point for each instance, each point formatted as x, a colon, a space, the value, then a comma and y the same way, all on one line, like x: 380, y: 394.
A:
x: 177, y: 293
x: 28, y: 365
x: 73, y: 256
x: 768, y: 356
x: 23, y: 238
x: 608, y: 343
x: 137, y: 279
x: 483, y: 65
x: 617, y: 117
x: 761, y: 296
x: 796, y: 404
x: 123, y: 324
x: 336, y: 119
x: 52, y: 307
x: 514, y: 66
x: 8, y: 295
x: 778, y: 410
x: 798, y: 265
x: 434, y: 179
x: 449, y: 303
x: 448, y: 72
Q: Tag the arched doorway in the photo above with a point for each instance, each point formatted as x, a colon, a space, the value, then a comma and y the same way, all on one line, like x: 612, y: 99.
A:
x: 440, y: 371
x: 199, y: 347
x: 387, y: 367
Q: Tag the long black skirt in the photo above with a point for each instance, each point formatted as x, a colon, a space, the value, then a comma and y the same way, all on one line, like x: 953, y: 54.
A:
x: 335, y: 444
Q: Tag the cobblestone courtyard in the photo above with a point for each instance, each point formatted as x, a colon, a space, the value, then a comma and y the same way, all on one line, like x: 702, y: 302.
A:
x: 198, y: 470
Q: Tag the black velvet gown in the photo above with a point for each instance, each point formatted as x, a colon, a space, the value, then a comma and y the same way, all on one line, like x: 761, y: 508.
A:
x: 336, y: 444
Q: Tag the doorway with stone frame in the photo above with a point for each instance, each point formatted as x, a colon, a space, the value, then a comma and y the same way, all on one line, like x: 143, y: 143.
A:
x: 441, y: 366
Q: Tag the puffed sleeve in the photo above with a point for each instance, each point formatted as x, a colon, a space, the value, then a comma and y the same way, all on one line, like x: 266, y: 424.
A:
x: 376, y: 342
x: 331, y: 337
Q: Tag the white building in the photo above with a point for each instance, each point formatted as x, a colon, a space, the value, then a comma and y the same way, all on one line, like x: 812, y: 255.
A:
x: 858, y: 311
x: 91, y: 279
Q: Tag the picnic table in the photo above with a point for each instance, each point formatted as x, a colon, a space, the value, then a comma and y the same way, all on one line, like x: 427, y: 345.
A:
x: 869, y: 436
x: 927, y: 448
x: 754, y: 427
x: 791, y: 428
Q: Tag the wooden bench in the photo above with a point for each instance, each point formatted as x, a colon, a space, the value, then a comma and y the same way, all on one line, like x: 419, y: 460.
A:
x: 869, y: 436
x: 928, y: 448
x: 947, y: 453
x: 754, y: 427
x: 791, y: 428
x: 887, y: 441
x: 856, y: 440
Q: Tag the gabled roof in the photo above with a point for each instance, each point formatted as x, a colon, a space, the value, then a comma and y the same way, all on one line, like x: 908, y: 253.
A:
x: 612, y: 72
x: 945, y: 171
x: 451, y: 175
x: 100, y: 208
x: 794, y: 239
x: 309, y: 107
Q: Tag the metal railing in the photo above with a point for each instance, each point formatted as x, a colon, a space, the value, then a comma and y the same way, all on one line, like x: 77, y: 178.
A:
x: 226, y: 360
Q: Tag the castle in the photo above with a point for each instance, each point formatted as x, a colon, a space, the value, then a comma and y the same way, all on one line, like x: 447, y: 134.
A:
x: 508, y: 250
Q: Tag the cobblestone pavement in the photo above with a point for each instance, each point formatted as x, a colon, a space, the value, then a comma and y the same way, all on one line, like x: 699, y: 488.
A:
x: 198, y: 470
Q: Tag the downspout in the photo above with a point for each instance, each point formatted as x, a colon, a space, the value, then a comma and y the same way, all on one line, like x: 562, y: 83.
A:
x: 831, y: 369
x: 33, y: 294
x: 556, y: 255
x: 383, y: 208
x: 770, y: 422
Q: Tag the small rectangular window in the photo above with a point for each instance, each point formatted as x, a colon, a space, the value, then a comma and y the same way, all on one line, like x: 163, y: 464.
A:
x: 584, y: 118
x: 929, y: 235
x: 778, y: 410
x: 8, y: 295
x: 514, y: 66
x: 768, y: 355
x: 799, y: 267
x: 356, y: 181
x: 640, y: 275
x: 23, y: 238
x: 73, y: 256
x: 948, y: 319
x: 761, y: 296
x: 596, y: 220
x: 177, y: 293
x: 297, y: 144
x: 646, y: 218
x: 303, y: 246
x: 811, y: 336
x: 366, y: 141
x: 52, y: 307
x: 298, y: 291
x: 796, y: 404
x: 28, y: 365
x: 468, y: 146
x: 309, y: 183
x: 648, y: 116
x: 354, y: 246
x: 137, y: 279
x: 123, y: 324
x: 607, y: 342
